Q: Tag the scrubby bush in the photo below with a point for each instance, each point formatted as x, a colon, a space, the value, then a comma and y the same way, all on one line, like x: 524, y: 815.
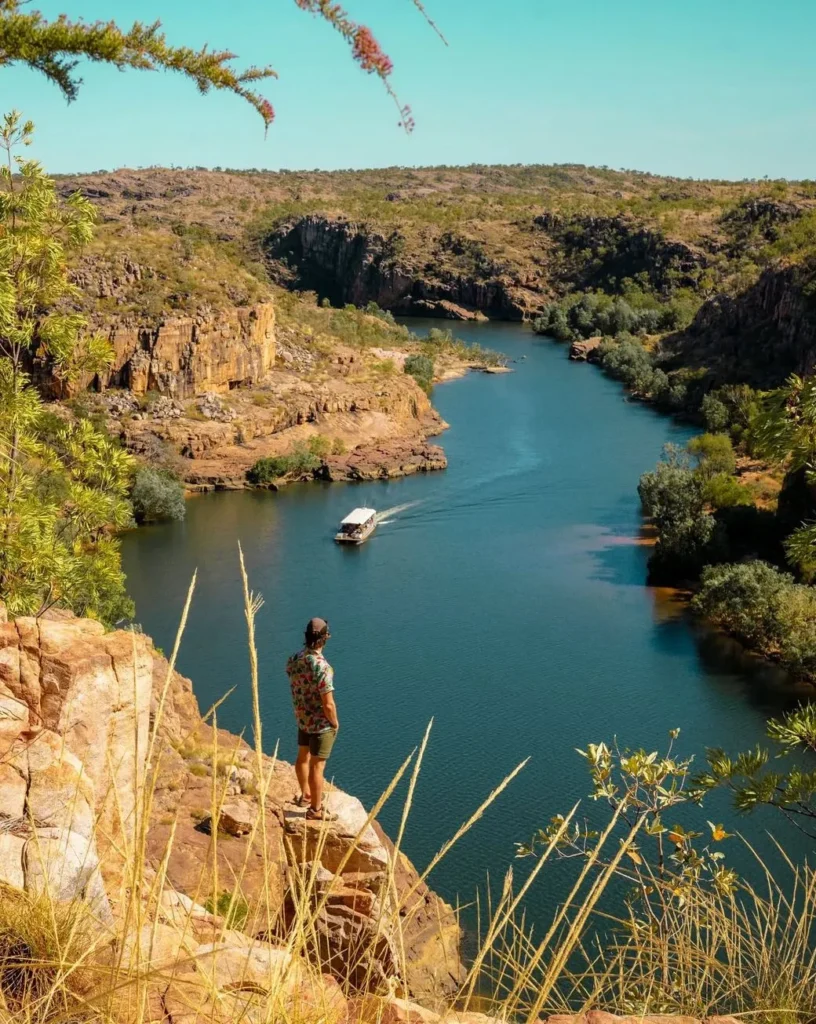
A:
x: 722, y: 490
x: 715, y: 413
x: 157, y: 494
x: 714, y: 454
x: 688, y: 536
x: 297, y: 462
x: 764, y: 608
x: 592, y: 313
x: 319, y: 445
x: 421, y: 368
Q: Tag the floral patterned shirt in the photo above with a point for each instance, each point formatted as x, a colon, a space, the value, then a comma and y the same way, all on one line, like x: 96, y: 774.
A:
x: 310, y: 676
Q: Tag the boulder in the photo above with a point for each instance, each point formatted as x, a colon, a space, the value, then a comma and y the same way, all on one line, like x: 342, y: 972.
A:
x: 65, y: 865
x: 389, y: 1010
x: 584, y: 349
x: 238, y: 817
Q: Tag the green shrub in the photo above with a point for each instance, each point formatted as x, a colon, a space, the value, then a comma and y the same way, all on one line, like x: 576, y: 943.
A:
x: 231, y: 906
x: 297, y: 462
x: 688, y: 535
x: 722, y: 490
x: 764, y: 608
x: 714, y: 454
x: 156, y: 494
x: 421, y: 368
x: 319, y: 445
x: 593, y: 313
x: 715, y: 413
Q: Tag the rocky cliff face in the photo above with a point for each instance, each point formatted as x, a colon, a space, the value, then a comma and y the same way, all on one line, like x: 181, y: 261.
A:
x: 185, y: 356
x: 759, y: 337
x: 450, y: 276
x: 79, y: 710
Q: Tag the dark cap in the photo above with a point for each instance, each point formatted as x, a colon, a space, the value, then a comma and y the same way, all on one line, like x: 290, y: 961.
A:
x: 317, y: 629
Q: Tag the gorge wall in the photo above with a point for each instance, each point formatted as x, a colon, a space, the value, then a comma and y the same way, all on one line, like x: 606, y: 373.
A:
x: 447, y: 275
x: 759, y: 336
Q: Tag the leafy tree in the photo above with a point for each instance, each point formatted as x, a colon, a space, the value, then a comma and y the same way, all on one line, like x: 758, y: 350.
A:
x: 156, y: 495
x: 688, y: 537
x: 714, y: 454
x: 55, y: 48
x: 715, y: 413
x: 765, y: 609
x: 421, y: 368
x: 62, y: 489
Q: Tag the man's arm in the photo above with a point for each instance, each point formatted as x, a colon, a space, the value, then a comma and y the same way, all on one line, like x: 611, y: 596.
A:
x: 330, y: 708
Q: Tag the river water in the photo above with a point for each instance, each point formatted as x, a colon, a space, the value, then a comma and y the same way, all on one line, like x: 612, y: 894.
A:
x: 508, y: 604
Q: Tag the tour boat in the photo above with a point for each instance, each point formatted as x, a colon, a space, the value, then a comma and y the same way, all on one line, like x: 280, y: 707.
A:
x: 357, y: 527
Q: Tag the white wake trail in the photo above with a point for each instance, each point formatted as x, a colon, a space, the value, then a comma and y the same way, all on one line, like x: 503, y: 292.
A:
x: 394, y: 511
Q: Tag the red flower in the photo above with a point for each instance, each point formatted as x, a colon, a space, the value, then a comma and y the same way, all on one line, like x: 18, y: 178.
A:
x: 366, y: 51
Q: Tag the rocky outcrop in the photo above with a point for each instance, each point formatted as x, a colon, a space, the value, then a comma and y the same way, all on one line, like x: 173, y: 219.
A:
x: 184, y: 356
x: 450, y: 276
x: 584, y: 350
x: 74, y: 706
x: 759, y: 337
x: 79, y: 710
x: 379, y: 423
x: 363, y: 907
x: 384, y: 460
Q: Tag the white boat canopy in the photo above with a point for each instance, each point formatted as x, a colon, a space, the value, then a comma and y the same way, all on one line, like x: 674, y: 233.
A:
x: 359, y: 516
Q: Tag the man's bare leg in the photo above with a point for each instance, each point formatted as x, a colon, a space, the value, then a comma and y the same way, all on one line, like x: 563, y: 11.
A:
x: 316, y: 768
x: 302, y: 771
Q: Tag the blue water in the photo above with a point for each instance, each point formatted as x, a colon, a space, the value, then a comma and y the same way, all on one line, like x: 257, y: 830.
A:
x: 508, y: 605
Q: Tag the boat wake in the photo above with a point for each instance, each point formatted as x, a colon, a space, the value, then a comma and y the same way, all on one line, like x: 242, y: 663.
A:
x: 387, y: 515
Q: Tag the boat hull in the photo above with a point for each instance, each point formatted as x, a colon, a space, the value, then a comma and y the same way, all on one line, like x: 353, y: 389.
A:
x: 356, y: 541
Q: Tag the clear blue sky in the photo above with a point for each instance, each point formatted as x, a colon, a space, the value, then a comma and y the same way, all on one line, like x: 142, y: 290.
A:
x: 701, y: 88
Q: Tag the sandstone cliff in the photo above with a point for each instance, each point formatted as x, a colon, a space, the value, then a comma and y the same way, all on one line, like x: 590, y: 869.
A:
x: 185, y: 356
x: 79, y: 711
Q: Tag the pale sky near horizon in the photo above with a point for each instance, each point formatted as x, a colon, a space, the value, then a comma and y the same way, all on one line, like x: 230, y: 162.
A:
x: 694, y: 88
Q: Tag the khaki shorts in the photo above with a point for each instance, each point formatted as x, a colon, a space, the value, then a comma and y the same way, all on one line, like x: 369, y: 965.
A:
x: 319, y: 743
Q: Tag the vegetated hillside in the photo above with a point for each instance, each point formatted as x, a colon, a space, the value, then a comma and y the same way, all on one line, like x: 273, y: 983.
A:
x: 496, y: 239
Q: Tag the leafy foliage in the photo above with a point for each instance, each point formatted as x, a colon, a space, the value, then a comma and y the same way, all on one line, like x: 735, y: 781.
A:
x: 62, y: 487
x: 421, y: 368
x: 156, y: 494
x: 779, y: 779
x: 593, y: 313
x: 765, y: 609
x: 54, y: 48
x: 784, y: 432
x: 299, y: 461
x: 673, y: 495
x: 714, y: 454
x: 440, y: 343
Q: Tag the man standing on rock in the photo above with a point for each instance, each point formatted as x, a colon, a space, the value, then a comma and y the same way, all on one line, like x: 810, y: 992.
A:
x: 312, y: 681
